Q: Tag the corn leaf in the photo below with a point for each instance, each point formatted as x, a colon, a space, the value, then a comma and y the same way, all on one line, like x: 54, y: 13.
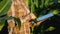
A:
x: 4, y: 6
x: 17, y: 20
x: 36, y: 3
x: 32, y: 6
x: 46, y: 2
x: 2, y: 22
x: 42, y: 4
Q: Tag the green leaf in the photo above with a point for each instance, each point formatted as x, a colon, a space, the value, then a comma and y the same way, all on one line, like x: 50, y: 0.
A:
x: 46, y: 2
x: 1, y: 24
x: 50, y: 28
x: 32, y: 6
x: 4, y: 6
x: 55, y: 12
x: 42, y: 4
x: 18, y: 22
x: 36, y: 3
x: 5, y: 17
x: 58, y: 1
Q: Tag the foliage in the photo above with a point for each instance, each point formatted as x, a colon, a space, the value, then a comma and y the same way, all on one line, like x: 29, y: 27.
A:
x: 50, y: 28
x: 4, y: 7
x: 43, y: 7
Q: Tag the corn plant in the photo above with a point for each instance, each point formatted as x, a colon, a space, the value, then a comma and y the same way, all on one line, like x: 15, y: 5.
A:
x: 41, y: 8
